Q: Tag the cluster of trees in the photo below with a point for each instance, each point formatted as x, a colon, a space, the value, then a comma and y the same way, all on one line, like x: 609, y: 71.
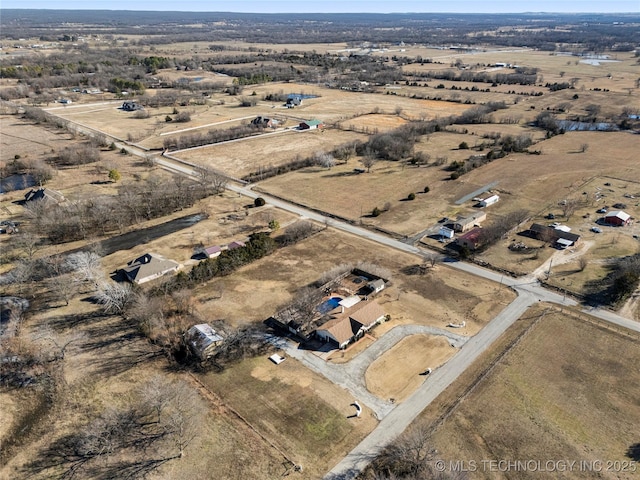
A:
x: 620, y: 283
x: 480, y: 114
x: 258, y: 246
x: 125, y: 441
x: 136, y: 202
x: 153, y: 63
x: 79, y: 154
x: 519, y: 77
x: 39, y: 171
x: 296, y: 232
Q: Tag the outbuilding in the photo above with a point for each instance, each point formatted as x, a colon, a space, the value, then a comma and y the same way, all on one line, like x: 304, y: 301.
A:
x: 311, y: 125
x: 376, y: 285
x: 213, y: 251
x: 617, y: 218
x: 446, y: 232
x: 489, y: 201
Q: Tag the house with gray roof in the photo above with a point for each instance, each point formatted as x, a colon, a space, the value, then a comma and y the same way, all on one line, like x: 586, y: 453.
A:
x: 203, y: 340
x: 148, y: 267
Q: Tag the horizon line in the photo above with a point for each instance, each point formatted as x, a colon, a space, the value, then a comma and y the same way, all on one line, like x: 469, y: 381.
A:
x: 543, y: 12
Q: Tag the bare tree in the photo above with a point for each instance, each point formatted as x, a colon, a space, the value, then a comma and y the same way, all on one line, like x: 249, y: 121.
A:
x: 324, y: 159
x: 409, y: 455
x: 368, y: 161
x: 114, y: 297
x: 296, y: 232
x: 63, y: 287
x: 569, y: 207
x: 59, y: 341
x: 28, y: 243
x: 213, y: 179
x: 584, y: 147
x: 86, y: 268
x: 433, y: 258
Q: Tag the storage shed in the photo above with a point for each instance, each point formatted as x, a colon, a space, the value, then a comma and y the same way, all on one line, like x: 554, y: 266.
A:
x: 489, y: 201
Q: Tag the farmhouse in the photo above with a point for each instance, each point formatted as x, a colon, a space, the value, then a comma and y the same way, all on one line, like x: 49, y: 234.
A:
x: 348, y: 326
x: 489, y: 201
x: 617, y: 218
x: 558, y: 237
x: 311, y: 125
x: 463, y: 224
x: 265, y: 122
x: 471, y: 239
x: 45, y: 194
x: 202, y: 340
x: 148, y: 267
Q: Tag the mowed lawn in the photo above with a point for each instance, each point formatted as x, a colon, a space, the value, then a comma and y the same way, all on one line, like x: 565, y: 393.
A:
x: 567, y: 391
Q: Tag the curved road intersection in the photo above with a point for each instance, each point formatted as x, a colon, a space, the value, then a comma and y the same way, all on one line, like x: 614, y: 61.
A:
x: 395, y: 418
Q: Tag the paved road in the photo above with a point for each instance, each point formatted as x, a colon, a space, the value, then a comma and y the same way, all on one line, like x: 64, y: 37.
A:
x: 401, y: 417
x: 397, y: 418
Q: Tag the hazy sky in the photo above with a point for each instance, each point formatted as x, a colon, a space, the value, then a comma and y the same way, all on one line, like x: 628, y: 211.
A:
x: 299, y: 6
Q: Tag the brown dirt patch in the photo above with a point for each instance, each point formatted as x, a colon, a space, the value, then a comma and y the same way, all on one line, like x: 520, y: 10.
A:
x: 396, y: 374
x: 300, y: 411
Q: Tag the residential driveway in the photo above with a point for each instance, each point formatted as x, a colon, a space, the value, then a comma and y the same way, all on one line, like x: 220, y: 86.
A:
x: 350, y: 375
x: 401, y: 417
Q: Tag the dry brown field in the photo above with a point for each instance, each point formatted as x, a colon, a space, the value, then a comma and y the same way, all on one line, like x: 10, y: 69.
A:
x: 303, y: 413
x: 109, y: 366
x: 30, y: 141
x: 568, y: 382
x: 373, y: 123
x: 534, y: 182
x: 396, y: 374
x: 241, y: 157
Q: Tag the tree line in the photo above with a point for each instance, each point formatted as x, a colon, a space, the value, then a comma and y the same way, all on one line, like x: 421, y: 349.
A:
x: 104, y: 214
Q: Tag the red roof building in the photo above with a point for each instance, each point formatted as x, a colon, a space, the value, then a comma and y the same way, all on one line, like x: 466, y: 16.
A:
x: 618, y: 218
x: 471, y: 239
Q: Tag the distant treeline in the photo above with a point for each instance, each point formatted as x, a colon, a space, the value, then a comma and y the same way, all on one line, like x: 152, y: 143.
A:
x: 537, y: 30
